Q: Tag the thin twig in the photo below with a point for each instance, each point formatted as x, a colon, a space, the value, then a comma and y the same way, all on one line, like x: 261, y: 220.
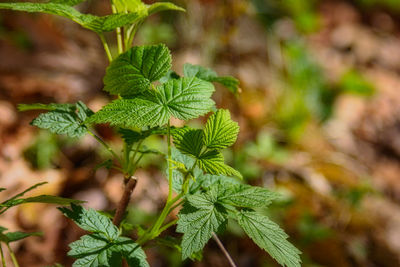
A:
x: 126, y: 197
x: 226, y: 253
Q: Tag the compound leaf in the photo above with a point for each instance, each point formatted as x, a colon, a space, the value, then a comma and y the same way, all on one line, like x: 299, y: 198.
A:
x: 269, y: 236
x: 133, y: 71
x: 220, y: 131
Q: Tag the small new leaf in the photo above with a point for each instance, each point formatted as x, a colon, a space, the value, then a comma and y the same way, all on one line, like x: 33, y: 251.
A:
x: 269, y: 236
x: 220, y: 131
x: 133, y: 71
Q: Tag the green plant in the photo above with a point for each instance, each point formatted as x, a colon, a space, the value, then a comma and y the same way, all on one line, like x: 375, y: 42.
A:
x: 18, y: 199
x: 148, y: 94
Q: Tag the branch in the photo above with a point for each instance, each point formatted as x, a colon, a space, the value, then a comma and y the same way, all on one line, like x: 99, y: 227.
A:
x: 126, y: 197
x: 226, y: 253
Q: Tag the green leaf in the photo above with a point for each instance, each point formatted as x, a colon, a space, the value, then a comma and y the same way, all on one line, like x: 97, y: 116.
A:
x: 15, y: 236
x: 93, y: 250
x: 131, y: 113
x: 68, y: 2
x: 52, y: 106
x: 62, y: 118
x: 97, y: 250
x: 185, y: 99
x: 83, y: 112
x: 91, y: 220
x: 242, y: 195
x: 162, y: 6
x: 169, y: 76
x: 17, y: 200
x: 269, y: 236
x: 220, y: 131
x: 132, y: 252
x: 25, y: 191
x: 133, y: 71
x: 198, y: 221
x: 212, y: 162
x: 91, y: 22
x: 60, y: 122
x: 189, y: 141
x: 209, y: 75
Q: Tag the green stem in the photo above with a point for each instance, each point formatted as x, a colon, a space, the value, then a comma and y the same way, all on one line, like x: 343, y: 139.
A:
x: 105, y: 145
x: 169, y: 162
x: 168, y: 225
x: 155, y: 230
x: 13, y: 258
x: 106, y: 48
x: 3, y: 260
x: 132, y: 167
x: 119, y: 33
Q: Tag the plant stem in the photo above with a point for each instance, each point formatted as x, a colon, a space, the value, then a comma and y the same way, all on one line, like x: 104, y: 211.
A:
x: 169, y: 162
x: 155, y: 230
x: 13, y: 258
x: 168, y: 225
x: 223, y: 249
x: 105, y: 145
x: 126, y: 197
x: 106, y: 48
x: 3, y: 260
x: 119, y: 33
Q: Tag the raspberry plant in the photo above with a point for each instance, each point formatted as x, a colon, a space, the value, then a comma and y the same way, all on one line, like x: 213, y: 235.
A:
x: 147, y: 95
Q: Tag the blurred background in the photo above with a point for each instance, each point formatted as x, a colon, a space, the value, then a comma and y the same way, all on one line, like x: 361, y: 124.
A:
x: 319, y: 113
